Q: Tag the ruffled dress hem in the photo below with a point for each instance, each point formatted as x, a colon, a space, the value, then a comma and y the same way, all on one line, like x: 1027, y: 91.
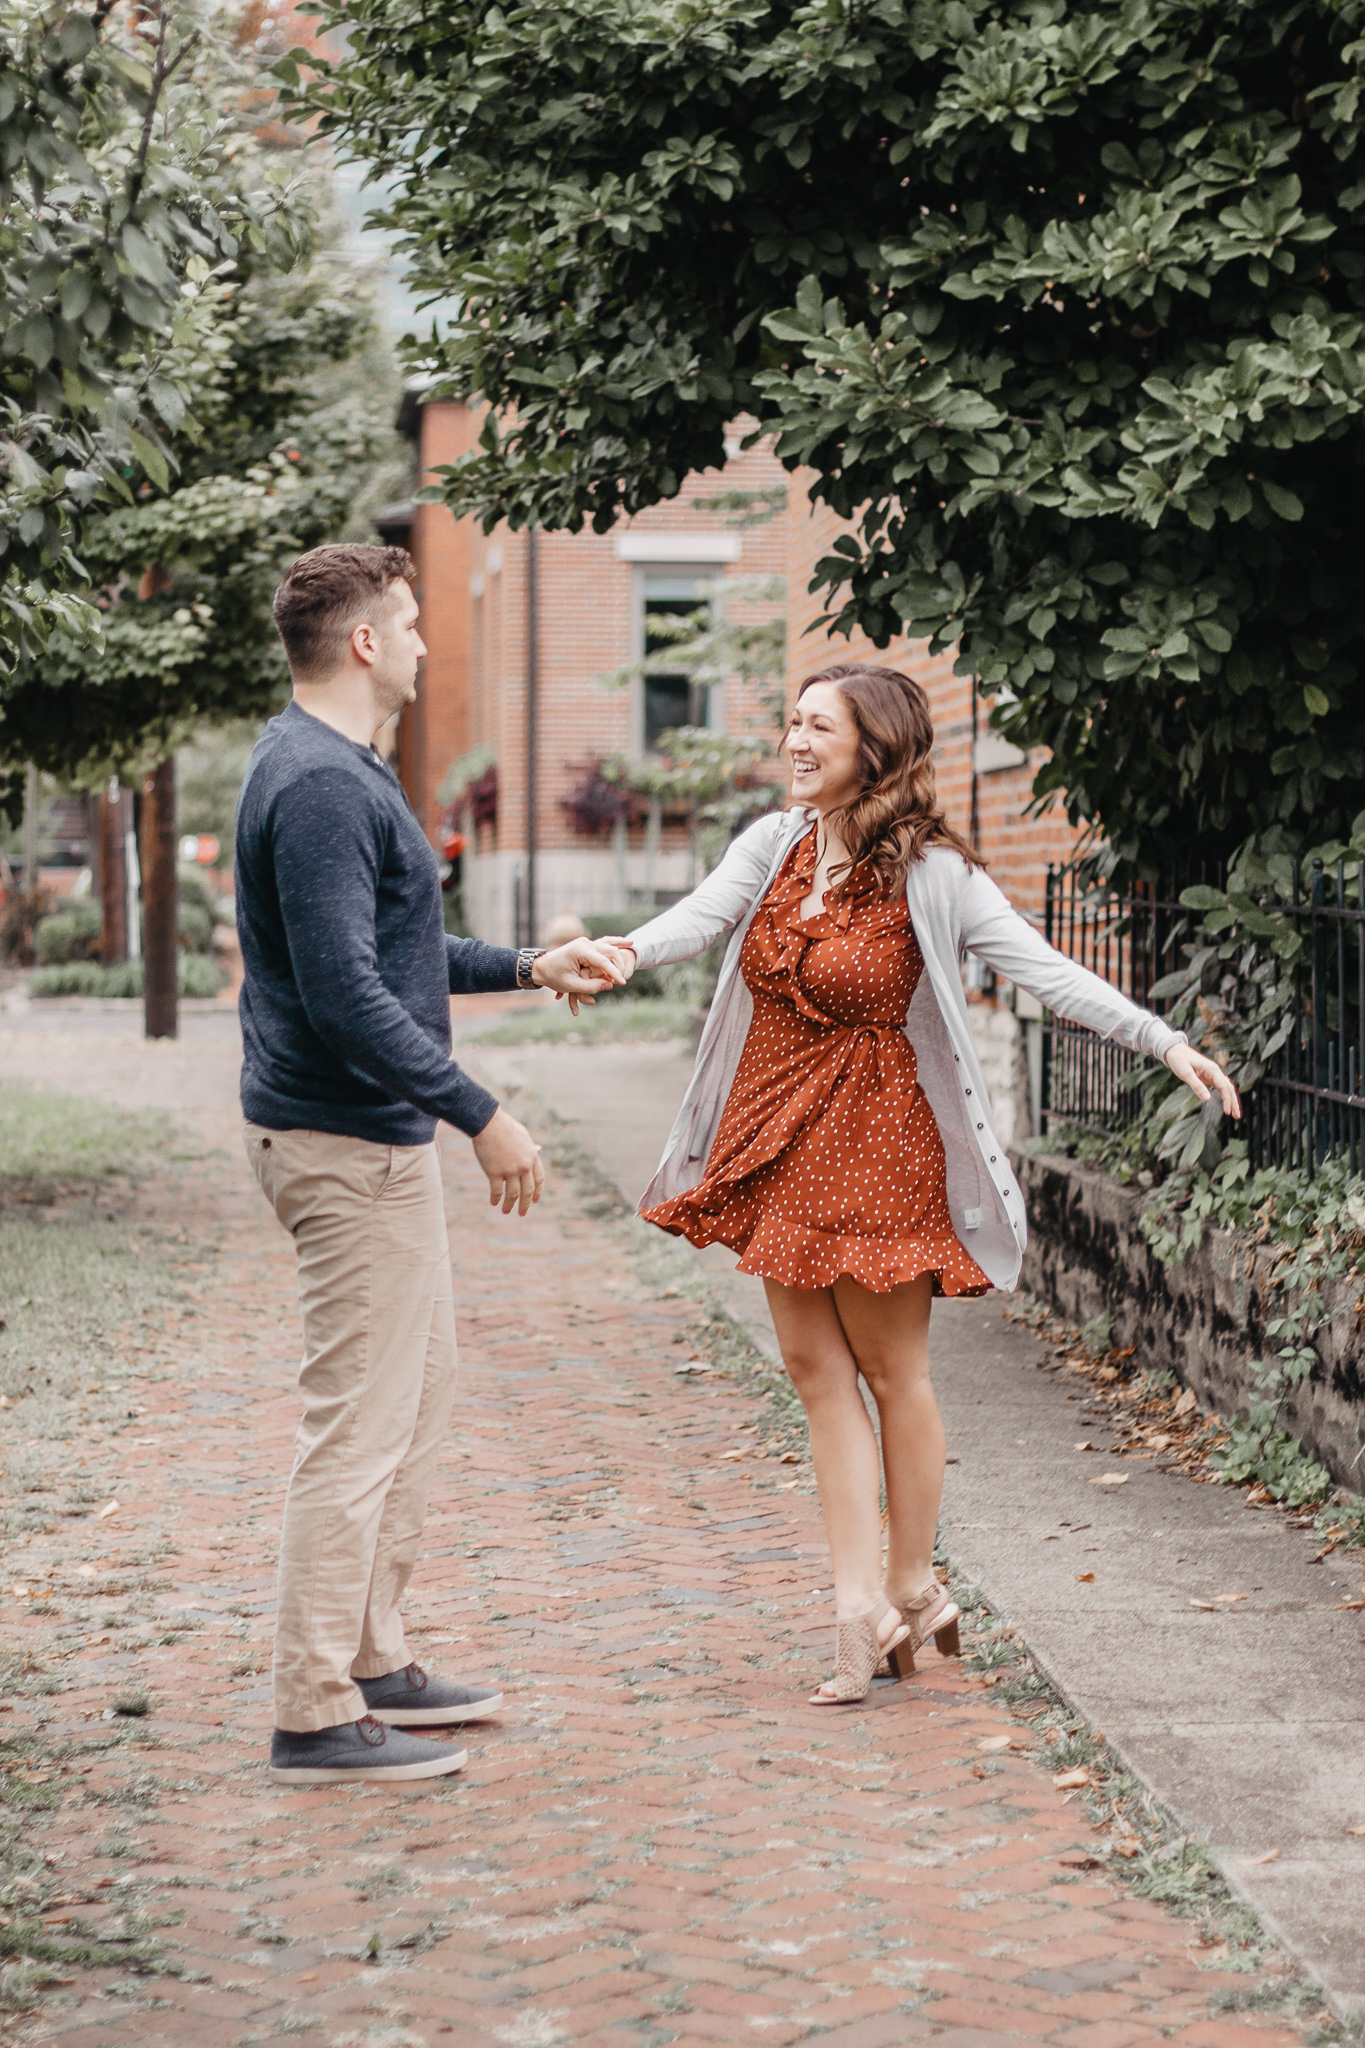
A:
x: 876, y: 1264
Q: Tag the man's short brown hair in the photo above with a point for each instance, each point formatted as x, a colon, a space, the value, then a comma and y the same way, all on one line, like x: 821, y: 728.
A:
x: 328, y: 593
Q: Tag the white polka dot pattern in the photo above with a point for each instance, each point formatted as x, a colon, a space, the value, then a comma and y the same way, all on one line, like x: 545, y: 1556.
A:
x: 827, y: 1159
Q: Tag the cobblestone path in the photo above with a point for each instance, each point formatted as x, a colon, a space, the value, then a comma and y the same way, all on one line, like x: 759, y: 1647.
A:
x: 660, y: 1841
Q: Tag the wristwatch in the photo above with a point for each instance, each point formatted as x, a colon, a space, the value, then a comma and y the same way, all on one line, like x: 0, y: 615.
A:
x: 525, y: 958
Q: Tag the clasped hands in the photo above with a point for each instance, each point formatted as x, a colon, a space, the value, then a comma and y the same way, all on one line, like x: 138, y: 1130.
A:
x: 580, y: 970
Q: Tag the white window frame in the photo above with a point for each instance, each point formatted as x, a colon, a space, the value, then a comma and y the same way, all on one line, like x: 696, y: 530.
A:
x: 694, y: 567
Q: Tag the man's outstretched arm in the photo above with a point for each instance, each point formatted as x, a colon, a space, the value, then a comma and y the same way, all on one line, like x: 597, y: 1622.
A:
x: 579, y: 969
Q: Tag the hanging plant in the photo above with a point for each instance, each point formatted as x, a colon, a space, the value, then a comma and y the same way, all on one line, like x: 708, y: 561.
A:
x: 482, y: 797
x: 600, y: 798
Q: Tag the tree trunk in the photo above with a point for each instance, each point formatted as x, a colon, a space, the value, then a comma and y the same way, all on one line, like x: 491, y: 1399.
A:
x: 113, y: 880
x: 161, y: 933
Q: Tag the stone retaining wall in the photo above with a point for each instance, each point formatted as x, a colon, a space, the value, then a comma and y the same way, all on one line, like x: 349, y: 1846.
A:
x: 1203, y: 1319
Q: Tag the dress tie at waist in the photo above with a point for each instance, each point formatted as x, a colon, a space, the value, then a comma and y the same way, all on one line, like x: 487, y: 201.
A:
x: 875, y: 1034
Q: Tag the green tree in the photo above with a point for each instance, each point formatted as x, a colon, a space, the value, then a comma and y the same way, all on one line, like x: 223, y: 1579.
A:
x: 293, y: 429
x: 1061, y: 304
x: 122, y: 190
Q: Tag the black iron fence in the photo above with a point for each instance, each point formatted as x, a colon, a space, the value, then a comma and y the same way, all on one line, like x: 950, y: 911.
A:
x: 1308, y: 1106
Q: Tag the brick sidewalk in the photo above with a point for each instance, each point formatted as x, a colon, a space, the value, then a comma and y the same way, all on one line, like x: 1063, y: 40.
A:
x: 660, y: 1841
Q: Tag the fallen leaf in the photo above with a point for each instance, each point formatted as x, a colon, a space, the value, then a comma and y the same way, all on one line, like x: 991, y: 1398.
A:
x: 85, y: 1571
x: 1131, y: 1846
x: 1229, y: 1599
x: 1159, y: 1443
x: 1110, y: 1479
x: 1086, y: 1446
x: 1357, y: 1831
x: 1206, y: 1605
x: 309, y: 1977
x: 20, y: 1592
x: 737, y: 1454
x: 995, y: 1742
x: 1097, y: 1735
x: 1271, y: 1856
x: 1080, y: 1863
x: 1065, y: 1780
x: 1085, y: 1578
x: 109, y: 1508
x: 693, y: 1365
x: 790, y: 1458
x: 1184, y: 1403
x: 1351, y: 1606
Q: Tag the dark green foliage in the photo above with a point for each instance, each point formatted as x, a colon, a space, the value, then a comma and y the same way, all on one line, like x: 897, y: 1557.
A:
x: 121, y: 191
x: 71, y: 933
x: 243, y: 344
x: 1061, y: 304
x: 195, y: 976
x: 289, y: 434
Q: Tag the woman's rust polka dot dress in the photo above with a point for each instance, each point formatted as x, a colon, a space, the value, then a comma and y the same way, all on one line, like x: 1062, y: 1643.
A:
x: 828, y: 1160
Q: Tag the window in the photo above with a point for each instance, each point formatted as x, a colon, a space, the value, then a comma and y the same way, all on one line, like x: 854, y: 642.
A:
x: 670, y: 697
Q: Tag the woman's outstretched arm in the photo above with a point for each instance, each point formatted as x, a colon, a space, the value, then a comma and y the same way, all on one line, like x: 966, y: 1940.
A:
x: 714, y: 906
x: 993, y: 929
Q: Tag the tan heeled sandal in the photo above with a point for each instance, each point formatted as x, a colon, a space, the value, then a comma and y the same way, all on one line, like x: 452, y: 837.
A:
x: 858, y: 1653
x: 932, y: 1612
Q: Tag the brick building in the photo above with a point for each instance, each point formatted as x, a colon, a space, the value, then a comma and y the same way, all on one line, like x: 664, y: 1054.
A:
x: 512, y: 621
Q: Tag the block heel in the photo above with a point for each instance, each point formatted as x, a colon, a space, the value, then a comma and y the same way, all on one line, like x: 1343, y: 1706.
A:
x: 925, y: 1614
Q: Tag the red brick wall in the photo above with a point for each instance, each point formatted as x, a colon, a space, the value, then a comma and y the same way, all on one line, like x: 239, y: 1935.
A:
x: 436, y: 729
x: 474, y: 603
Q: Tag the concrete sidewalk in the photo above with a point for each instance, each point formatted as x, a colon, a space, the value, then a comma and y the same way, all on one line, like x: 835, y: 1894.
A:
x: 1249, y: 1722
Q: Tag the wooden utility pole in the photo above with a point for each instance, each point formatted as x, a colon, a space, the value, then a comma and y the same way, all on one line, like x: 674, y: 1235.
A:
x: 113, y: 880
x: 161, y: 933
x: 31, y: 834
x: 532, y: 728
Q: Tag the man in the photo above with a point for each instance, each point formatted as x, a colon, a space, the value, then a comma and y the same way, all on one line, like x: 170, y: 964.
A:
x: 346, y: 1071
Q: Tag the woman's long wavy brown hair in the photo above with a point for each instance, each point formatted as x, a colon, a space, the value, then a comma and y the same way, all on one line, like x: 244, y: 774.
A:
x: 896, y: 814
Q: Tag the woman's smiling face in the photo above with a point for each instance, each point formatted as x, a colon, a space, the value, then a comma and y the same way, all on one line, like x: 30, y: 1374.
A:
x: 822, y: 742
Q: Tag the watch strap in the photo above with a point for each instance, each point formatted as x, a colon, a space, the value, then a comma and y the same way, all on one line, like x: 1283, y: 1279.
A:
x: 526, y: 957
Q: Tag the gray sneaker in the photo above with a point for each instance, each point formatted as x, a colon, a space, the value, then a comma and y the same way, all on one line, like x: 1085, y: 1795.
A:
x: 409, y: 1699
x: 358, y: 1750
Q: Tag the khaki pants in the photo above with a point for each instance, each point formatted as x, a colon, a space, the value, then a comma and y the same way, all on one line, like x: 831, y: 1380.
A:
x: 378, y: 1381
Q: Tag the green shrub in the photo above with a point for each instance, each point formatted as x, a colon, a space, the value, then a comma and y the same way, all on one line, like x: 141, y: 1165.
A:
x: 195, y: 927
x: 70, y: 933
x: 196, y: 975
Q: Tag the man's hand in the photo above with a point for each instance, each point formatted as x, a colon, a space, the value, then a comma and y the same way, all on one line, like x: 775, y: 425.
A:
x: 1203, y: 1076
x: 580, y: 970
x: 510, y: 1156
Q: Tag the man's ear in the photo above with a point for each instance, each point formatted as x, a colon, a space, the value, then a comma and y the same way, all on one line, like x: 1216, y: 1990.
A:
x: 365, y: 644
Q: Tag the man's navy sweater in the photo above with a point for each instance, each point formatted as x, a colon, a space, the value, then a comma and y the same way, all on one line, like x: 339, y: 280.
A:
x: 345, y: 1006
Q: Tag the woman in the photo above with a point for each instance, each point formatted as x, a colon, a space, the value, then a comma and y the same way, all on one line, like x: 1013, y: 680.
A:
x: 836, y: 1132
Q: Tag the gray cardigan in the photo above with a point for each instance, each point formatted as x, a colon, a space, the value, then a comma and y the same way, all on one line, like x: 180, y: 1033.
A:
x: 954, y: 910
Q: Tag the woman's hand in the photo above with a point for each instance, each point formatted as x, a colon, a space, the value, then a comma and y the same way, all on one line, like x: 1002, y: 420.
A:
x: 1203, y: 1076
x: 580, y: 970
x: 622, y: 954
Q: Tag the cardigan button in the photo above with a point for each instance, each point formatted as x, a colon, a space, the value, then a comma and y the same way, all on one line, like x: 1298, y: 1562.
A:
x: 981, y: 1127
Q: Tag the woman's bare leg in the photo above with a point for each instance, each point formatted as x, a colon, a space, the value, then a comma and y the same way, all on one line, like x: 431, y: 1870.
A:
x: 888, y: 1336
x: 824, y: 1372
